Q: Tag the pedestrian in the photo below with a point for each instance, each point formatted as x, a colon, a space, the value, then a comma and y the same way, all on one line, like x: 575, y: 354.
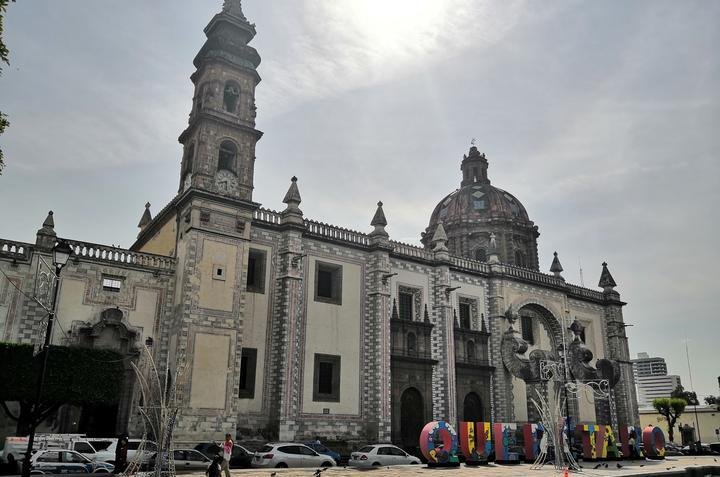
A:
x: 227, y: 448
x: 213, y: 469
x: 121, y: 451
x: 632, y: 446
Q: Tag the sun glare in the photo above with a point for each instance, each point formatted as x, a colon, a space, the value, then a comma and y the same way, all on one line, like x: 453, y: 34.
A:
x: 391, y: 23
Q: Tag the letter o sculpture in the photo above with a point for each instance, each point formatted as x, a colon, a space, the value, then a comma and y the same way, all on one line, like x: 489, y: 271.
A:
x: 438, y: 430
x: 653, y: 440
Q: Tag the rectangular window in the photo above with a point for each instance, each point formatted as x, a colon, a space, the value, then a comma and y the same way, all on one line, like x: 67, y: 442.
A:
x: 256, y: 271
x: 465, y: 315
x: 328, y: 283
x: 527, y: 329
x: 112, y: 284
x: 405, y: 305
x: 326, y: 385
x: 248, y: 361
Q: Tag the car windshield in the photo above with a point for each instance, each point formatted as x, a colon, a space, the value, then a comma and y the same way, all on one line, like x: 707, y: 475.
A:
x: 366, y: 449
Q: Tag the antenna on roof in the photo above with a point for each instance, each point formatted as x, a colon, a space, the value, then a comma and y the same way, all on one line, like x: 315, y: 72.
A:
x: 582, y: 280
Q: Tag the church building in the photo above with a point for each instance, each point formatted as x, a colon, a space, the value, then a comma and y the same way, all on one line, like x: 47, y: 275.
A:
x: 291, y: 328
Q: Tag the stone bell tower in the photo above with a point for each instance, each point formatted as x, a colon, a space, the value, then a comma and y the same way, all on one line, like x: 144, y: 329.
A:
x: 214, y: 211
x: 219, y: 142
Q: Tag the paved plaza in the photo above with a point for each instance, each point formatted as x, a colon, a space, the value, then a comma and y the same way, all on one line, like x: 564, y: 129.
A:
x: 670, y: 466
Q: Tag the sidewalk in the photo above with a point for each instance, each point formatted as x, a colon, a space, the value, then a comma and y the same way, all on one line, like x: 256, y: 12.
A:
x: 672, y: 466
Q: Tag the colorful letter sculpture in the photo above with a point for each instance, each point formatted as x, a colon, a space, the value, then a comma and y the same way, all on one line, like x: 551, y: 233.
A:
x: 475, y: 442
x: 506, y: 448
x: 611, y: 447
x: 439, y: 455
x: 594, y: 442
x: 532, y: 433
x: 653, y: 442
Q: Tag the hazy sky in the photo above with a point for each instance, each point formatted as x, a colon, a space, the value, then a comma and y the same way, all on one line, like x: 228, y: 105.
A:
x: 603, y: 118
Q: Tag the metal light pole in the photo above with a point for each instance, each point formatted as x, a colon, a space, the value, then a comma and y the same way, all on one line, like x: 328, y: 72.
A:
x: 61, y: 254
x: 698, y: 443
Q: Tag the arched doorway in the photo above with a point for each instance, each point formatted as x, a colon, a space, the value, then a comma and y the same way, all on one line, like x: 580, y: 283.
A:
x: 412, y: 417
x: 472, y: 408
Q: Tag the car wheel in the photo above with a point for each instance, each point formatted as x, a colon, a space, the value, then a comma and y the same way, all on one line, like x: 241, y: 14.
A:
x: 281, y: 465
x: 414, y: 463
x: 101, y: 471
x: 376, y: 464
x: 326, y: 464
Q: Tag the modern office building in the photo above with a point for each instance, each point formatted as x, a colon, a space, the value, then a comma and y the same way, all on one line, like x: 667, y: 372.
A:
x: 652, y: 379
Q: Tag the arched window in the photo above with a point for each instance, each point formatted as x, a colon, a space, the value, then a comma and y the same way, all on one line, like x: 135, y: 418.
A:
x: 226, y: 158
x: 519, y: 259
x: 481, y: 255
x: 231, y: 95
x: 411, y: 343
x: 470, y: 351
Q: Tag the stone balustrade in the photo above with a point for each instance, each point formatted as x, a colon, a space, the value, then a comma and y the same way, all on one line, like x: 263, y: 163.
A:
x: 267, y: 215
x: 400, y: 248
x: 321, y: 229
x: 468, y: 264
x: 119, y: 256
x: 15, y: 250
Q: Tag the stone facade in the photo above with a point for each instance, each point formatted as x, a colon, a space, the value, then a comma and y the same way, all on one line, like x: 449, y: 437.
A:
x: 315, y: 306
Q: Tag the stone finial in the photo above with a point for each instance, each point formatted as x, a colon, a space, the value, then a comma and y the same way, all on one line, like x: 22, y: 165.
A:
x: 426, y: 315
x: 456, y: 323
x: 439, y: 239
x: 394, y: 314
x: 146, y: 217
x: 292, y: 213
x: 379, y: 222
x: 46, y: 236
x: 493, y: 256
x: 234, y: 8
x: 606, y: 280
x: 556, y: 268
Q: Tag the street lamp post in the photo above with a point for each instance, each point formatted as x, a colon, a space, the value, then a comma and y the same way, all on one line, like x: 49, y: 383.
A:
x: 61, y: 254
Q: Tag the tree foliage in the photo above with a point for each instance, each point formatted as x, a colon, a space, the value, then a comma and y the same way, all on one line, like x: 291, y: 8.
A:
x: 671, y: 409
x: 74, y: 376
x: 4, y: 58
x: 689, y: 397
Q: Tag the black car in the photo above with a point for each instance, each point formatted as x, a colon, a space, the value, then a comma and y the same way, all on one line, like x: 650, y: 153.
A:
x: 240, y: 458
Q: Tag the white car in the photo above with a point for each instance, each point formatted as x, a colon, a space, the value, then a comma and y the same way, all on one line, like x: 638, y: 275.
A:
x: 65, y: 461
x: 290, y: 454
x: 108, y: 455
x: 381, y: 454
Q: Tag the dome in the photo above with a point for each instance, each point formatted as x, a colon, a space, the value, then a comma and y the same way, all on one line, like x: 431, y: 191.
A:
x: 477, y: 202
x: 478, y: 210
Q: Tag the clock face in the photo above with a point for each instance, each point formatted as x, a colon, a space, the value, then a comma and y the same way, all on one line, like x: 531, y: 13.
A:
x: 226, y: 182
x: 187, y: 182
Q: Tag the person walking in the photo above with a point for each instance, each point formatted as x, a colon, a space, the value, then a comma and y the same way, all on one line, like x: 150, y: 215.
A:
x: 121, y: 451
x: 227, y: 448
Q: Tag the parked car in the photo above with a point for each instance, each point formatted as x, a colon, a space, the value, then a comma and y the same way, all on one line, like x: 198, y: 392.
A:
x: 58, y: 461
x: 184, y: 459
x: 241, y: 458
x: 108, y: 455
x: 705, y: 450
x: 381, y: 454
x: 321, y: 449
x: 290, y: 454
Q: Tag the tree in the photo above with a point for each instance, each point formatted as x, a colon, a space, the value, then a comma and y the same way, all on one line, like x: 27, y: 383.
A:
x: 671, y: 409
x: 74, y: 376
x: 4, y: 52
x: 689, y: 397
x: 710, y: 400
